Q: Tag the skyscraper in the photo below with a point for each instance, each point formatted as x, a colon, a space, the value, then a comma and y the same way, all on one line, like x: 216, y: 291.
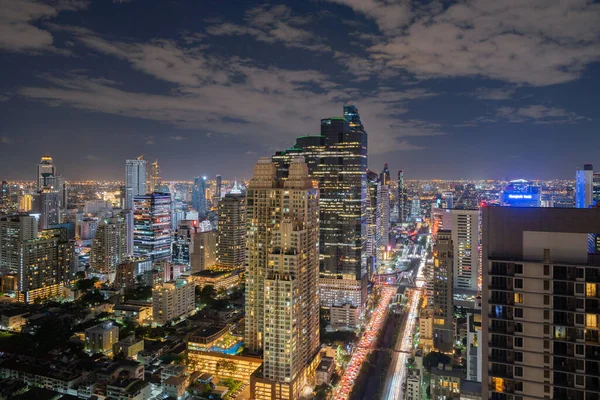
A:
x: 584, y: 188
x: 385, y: 174
x: 282, y: 306
x: 205, y: 249
x: 465, y: 239
x: 402, y: 199
x: 219, y: 185
x: 384, y: 212
x: 373, y: 228
x: 154, y: 179
x: 199, y: 197
x: 183, y: 242
x: 231, y: 236
x: 135, y: 180
x: 152, y: 226
x: 443, y: 316
x: 518, y: 193
x: 45, y: 265
x: 45, y: 173
x: 109, y: 246
x: 46, y: 203
x: 541, y: 314
x: 14, y: 229
x: 337, y: 159
x: 4, y: 195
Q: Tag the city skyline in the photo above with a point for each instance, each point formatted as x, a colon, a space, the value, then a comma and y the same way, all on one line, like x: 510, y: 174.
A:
x: 426, y: 85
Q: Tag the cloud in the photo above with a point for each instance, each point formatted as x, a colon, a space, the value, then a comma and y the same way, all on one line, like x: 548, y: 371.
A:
x: 494, y: 93
x: 90, y: 157
x: 6, y: 140
x: 209, y: 134
x: 532, y: 42
x: 17, y: 30
x: 538, y: 114
x: 149, y: 140
x: 176, y: 138
x: 4, y: 97
x: 273, y: 24
x: 389, y: 15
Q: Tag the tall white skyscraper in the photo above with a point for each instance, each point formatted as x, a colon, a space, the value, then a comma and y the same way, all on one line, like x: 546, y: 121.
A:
x: 465, y: 239
x: 383, y: 203
x: 282, y: 303
x: 135, y: 180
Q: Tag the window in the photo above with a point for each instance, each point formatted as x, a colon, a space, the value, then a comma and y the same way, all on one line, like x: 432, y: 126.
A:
x: 546, y: 329
x: 579, y: 349
x: 591, y: 320
x: 546, y: 389
x: 518, y: 371
x: 579, y: 380
x: 518, y: 327
x: 546, y: 300
x: 580, y: 365
x: 546, y: 344
x: 579, y: 288
x: 579, y: 319
x: 546, y: 359
x: 579, y: 303
x: 580, y: 273
x: 590, y: 289
x: 546, y: 314
x: 519, y: 312
x: 518, y: 342
x: 547, y: 374
x: 518, y: 283
x: 518, y: 268
x: 518, y: 298
x: 546, y: 285
x: 546, y: 270
x: 518, y: 356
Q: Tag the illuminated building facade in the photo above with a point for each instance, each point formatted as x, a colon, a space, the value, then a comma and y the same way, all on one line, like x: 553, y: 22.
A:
x: 282, y: 304
x: 135, y: 180
x: 231, y: 236
x: 101, y: 338
x: 152, y: 226
x: 383, y: 203
x: 45, y: 173
x: 173, y: 300
x: 45, y: 265
x: 402, y: 198
x: 584, y: 187
x: 205, y: 251
x: 541, y: 314
x: 109, y: 246
x: 521, y: 193
x: 14, y: 229
x: 199, y: 197
x: 46, y: 203
x: 465, y: 239
x: 183, y: 243
x: 373, y: 227
x: 154, y: 181
x: 337, y: 159
x: 443, y: 317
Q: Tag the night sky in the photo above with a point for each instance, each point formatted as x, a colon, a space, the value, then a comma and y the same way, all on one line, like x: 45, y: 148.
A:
x: 474, y: 89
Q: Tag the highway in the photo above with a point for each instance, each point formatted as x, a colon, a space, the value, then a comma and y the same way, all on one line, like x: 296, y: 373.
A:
x: 397, y: 371
x: 365, y: 344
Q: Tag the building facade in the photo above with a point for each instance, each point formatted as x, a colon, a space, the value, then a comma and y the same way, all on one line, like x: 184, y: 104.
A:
x: 465, y: 239
x: 14, y: 229
x: 109, y: 246
x: 443, y: 316
x: 152, y: 226
x: 199, y: 197
x: 173, y: 300
x: 135, y: 180
x: 584, y: 187
x: 231, y: 236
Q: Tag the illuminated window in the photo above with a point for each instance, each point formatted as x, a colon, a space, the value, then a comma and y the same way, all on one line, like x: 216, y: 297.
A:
x: 498, y: 384
x: 591, y: 320
x: 519, y: 298
x: 590, y: 289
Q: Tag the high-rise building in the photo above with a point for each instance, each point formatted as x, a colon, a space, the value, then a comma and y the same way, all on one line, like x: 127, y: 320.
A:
x: 415, y: 209
x: 199, y: 197
x: 596, y: 188
x: 183, y: 242
x: 205, y: 250
x: 152, y: 226
x: 45, y: 265
x: 474, y: 355
x: 45, y: 173
x: 383, y: 193
x: 26, y: 203
x: 282, y: 305
x: 337, y: 159
x: 231, y: 237
x: 373, y: 228
x: 62, y: 189
x: 384, y: 177
x: 218, y: 189
x: 172, y: 300
x: 465, y: 239
x: 584, y: 187
x: 154, y: 181
x: 14, y: 229
x: 402, y: 199
x: 541, y: 314
x: 135, y: 180
x: 443, y: 316
x: 46, y: 203
x: 109, y: 246
x: 5, y: 195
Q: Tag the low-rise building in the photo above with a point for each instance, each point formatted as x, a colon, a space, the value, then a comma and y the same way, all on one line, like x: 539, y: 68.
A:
x: 140, y: 314
x: 128, y: 389
x: 172, y: 300
x: 445, y: 383
x: 13, y: 320
x: 101, y: 338
x: 426, y: 329
x: 128, y: 347
x: 470, y: 390
x: 345, y: 316
x: 324, y: 371
x: 42, y: 375
x: 220, y: 279
x: 172, y: 370
x: 175, y: 386
x: 413, y: 385
x: 223, y: 365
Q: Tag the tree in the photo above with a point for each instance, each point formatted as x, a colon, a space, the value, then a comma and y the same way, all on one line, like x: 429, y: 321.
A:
x: 207, y: 294
x: 86, y: 284
x: 434, y: 358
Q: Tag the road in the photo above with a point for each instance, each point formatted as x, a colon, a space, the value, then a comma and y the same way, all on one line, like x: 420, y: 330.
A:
x: 397, y: 371
x: 366, y: 342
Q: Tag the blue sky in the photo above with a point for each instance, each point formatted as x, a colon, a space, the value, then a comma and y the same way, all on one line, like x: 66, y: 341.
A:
x: 470, y: 89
